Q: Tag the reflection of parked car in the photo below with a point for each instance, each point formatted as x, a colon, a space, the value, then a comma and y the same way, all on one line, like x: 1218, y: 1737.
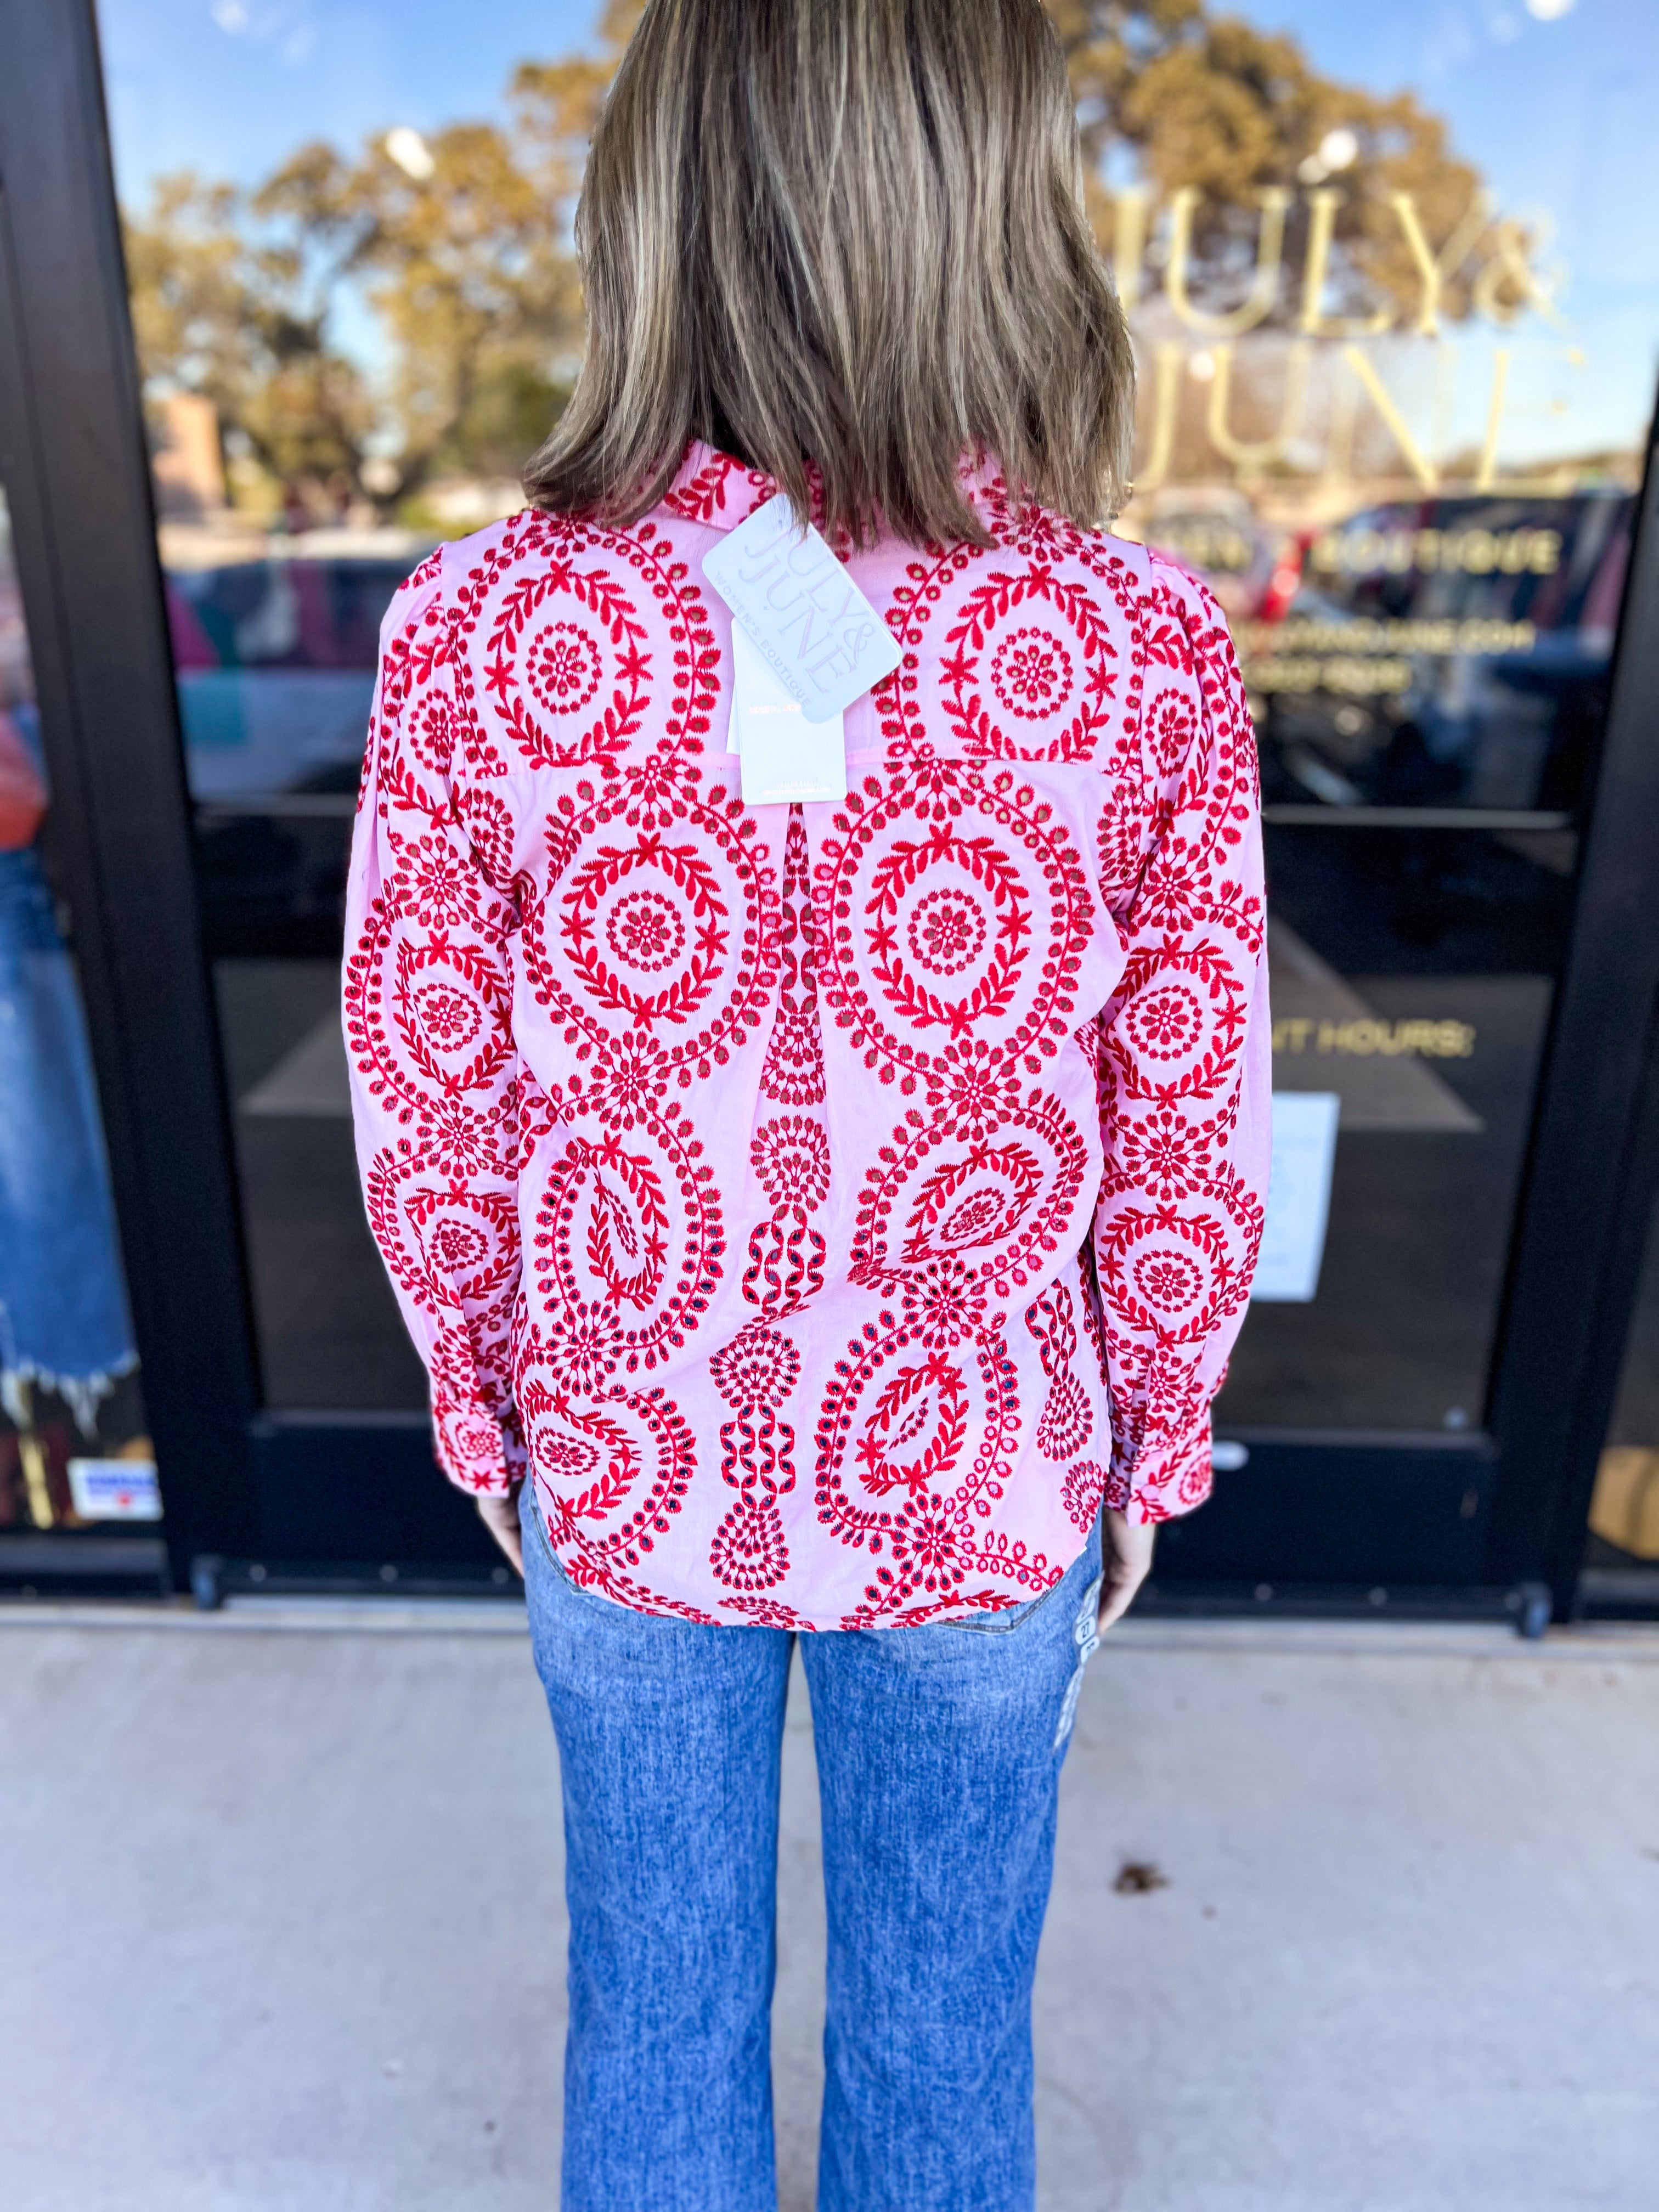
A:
x: 275, y: 672
x: 1252, y: 568
x: 276, y: 665
x: 1444, y: 653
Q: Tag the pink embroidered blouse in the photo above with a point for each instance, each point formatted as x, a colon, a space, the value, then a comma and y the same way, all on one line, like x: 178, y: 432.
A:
x: 825, y: 1207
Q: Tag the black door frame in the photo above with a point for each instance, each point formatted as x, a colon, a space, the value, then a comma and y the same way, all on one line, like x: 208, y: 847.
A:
x: 1588, y: 1190
x: 73, y: 459
x: 1328, y: 1518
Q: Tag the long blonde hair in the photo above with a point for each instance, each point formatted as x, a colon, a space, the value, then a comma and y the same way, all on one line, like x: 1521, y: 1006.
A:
x: 845, y: 235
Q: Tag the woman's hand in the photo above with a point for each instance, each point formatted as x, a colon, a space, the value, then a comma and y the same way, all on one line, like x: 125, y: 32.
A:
x: 500, y: 1515
x: 1127, y: 1558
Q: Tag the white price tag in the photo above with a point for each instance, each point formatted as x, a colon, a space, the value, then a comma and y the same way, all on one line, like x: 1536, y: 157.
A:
x: 787, y: 760
x: 797, y: 605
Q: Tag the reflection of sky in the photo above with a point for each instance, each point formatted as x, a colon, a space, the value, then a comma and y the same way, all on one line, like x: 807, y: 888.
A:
x: 230, y: 87
x: 1554, y: 103
x: 1556, y: 113
x: 1559, y: 115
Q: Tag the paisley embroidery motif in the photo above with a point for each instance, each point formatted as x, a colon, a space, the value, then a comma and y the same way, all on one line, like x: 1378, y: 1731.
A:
x: 827, y: 1208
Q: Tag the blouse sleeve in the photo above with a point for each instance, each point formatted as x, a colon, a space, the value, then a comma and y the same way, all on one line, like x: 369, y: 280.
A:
x: 427, y: 999
x: 1185, y: 1060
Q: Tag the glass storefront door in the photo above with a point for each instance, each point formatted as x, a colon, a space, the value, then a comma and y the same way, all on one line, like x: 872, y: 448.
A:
x: 1398, y: 356
x: 1398, y: 371
x: 341, y: 366
x: 1398, y: 341
x: 1621, y: 1560
x: 74, y: 1452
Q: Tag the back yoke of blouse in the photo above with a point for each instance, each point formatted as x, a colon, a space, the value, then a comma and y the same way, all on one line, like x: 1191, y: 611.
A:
x: 825, y: 1206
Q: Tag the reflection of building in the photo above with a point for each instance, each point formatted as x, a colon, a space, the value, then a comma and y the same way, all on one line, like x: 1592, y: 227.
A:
x: 187, y: 465
x: 457, y: 504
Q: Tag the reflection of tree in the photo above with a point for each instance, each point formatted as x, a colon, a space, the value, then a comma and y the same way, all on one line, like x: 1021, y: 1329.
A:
x: 462, y: 249
x: 468, y: 263
x: 1213, y: 105
x: 461, y: 244
x: 230, y: 315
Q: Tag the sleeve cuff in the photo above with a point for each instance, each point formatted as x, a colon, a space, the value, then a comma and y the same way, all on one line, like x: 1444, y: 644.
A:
x: 474, y: 1449
x: 1163, y: 1480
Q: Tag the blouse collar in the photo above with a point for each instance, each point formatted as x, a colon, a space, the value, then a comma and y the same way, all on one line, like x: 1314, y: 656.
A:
x: 711, y: 487
x: 715, y: 489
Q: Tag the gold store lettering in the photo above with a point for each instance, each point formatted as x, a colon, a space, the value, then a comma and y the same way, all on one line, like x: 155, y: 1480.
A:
x: 1435, y: 269
x: 1398, y: 634
x: 1250, y: 458
x: 1470, y: 552
x: 1380, y: 397
x: 1166, y: 399
x: 1354, y: 678
x: 1505, y: 285
x: 1364, y: 1036
x: 1509, y: 266
x: 1486, y: 474
x: 1128, y: 246
x: 1264, y: 285
x: 1315, y: 322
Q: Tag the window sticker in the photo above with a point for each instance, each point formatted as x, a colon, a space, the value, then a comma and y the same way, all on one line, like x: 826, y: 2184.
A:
x: 1298, y: 1196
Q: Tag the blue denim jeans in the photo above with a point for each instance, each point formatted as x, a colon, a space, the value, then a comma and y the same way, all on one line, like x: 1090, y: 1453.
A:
x: 63, y: 1298
x: 939, y: 1755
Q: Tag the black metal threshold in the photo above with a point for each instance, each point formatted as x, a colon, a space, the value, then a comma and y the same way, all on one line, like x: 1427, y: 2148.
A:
x: 66, y: 1563
x: 1618, y: 1594
x: 1525, y: 1606
x: 58, y: 1565
x: 212, y: 1580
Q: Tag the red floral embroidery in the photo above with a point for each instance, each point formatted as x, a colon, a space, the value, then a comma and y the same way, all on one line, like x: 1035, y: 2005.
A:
x: 828, y: 1208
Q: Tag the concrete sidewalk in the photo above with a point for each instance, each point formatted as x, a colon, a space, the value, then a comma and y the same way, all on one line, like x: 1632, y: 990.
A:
x: 282, y: 1924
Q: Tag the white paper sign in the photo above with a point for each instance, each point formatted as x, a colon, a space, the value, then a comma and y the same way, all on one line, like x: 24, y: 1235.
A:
x: 814, y: 628
x: 787, y: 760
x: 115, y: 1489
x: 1298, y: 1196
